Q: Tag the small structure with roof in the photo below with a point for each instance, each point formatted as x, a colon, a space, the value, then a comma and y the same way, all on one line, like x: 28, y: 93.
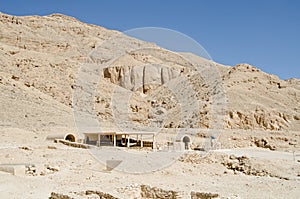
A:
x: 121, y: 139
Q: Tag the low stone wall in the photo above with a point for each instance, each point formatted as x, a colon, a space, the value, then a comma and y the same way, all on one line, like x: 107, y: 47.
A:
x: 85, y: 194
x: 101, y: 194
x: 199, y: 195
x: 143, y: 192
x: 59, y: 196
x: 72, y: 144
x: 155, y: 193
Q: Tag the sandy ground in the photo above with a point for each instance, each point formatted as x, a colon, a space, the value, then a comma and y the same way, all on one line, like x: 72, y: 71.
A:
x: 78, y: 171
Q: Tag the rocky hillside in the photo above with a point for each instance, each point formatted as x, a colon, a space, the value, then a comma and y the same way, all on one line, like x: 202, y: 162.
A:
x: 260, y: 100
x: 40, y: 62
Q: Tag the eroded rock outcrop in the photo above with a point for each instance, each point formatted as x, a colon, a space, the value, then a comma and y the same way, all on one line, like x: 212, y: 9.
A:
x: 140, y: 78
x: 258, y: 119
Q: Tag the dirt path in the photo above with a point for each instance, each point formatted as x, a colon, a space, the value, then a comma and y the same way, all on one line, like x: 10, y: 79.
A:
x: 261, y: 153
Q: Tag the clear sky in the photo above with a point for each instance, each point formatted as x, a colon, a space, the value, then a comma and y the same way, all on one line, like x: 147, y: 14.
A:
x: 264, y: 33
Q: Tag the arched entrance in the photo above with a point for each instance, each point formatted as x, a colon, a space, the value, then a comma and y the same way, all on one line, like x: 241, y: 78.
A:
x: 70, y: 137
x: 186, y: 140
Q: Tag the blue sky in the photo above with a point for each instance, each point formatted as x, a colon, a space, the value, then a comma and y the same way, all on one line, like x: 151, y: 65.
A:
x: 263, y: 33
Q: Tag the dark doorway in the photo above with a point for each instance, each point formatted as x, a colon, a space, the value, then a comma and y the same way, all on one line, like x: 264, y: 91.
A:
x: 70, y: 138
x: 186, y: 140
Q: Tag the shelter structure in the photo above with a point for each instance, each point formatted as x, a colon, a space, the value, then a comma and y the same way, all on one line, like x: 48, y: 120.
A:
x: 121, y: 139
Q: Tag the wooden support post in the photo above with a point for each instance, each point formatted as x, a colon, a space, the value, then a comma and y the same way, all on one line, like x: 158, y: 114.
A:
x: 142, y: 144
x: 153, y: 143
x: 99, y: 140
x: 128, y: 141
x: 115, y: 140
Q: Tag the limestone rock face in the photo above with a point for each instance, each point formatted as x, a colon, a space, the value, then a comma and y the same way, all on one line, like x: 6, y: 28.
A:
x: 140, y: 78
x: 258, y: 119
